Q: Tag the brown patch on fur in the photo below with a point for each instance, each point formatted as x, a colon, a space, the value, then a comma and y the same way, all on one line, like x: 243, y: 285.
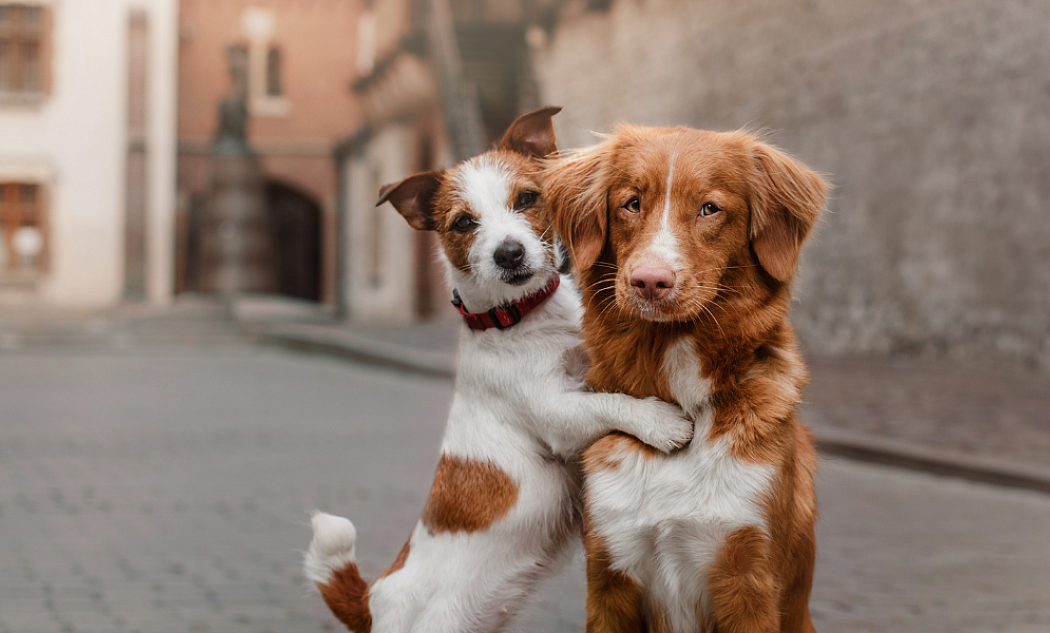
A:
x: 614, y: 599
x: 731, y: 299
x: 468, y: 496
x: 787, y: 199
x: 742, y: 585
x: 448, y: 209
x: 532, y: 134
x: 413, y: 198
x: 608, y: 451
x: 658, y: 620
x: 757, y: 408
x: 346, y: 594
x: 577, y: 184
x: 792, y: 510
x: 399, y: 562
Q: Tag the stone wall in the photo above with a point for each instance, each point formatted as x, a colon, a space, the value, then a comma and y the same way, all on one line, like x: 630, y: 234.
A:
x: 932, y: 118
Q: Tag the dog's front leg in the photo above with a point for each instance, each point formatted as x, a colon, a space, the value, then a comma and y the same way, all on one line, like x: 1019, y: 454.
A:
x: 614, y: 600
x: 743, y: 586
x: 573, y: 420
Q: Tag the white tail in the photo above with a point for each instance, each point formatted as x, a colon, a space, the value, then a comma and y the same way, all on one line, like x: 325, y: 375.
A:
x: 331, y: 549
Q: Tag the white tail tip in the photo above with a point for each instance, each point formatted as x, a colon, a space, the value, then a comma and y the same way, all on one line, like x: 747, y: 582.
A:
x: 332, y: 547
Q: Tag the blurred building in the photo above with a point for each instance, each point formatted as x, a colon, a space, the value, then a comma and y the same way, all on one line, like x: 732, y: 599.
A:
x: 932, y: 120
x: 301, y: 59
x: 438, y: 80
x: 87, y: 145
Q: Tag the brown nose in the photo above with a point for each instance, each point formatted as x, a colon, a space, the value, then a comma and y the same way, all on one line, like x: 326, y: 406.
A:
x: 652, y: 282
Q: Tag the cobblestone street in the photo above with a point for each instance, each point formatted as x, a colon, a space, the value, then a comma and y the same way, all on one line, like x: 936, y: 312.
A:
x: 167, y: 488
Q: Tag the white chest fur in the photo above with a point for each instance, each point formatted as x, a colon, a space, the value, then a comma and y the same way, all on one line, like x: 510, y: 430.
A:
x: 502, y: 376
x: 664, y: 518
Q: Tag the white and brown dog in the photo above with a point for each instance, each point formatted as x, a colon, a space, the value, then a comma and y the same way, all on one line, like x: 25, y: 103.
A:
x: 503, y: 508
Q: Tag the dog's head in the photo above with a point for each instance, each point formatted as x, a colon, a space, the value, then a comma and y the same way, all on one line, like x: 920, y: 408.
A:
x: 673, y: 219
x: 488, y: 213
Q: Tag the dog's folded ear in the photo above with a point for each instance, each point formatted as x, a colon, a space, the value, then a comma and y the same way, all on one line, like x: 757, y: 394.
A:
x: 413, y: 198
x: 532, y: 134
x: 577, y: 203
x: 787, y: 197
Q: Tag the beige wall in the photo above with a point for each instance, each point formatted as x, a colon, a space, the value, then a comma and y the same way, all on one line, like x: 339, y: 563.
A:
x: 381, y: 246
x: 932, y: 118
x: 75, y: 143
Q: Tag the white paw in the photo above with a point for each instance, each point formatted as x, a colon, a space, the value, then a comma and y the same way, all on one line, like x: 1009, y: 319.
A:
x: 332, y: 547
x: 668, y: 428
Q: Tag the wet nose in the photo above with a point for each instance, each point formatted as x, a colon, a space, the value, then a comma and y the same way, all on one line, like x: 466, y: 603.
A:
x: 652, y: 282
x: 510, y: 254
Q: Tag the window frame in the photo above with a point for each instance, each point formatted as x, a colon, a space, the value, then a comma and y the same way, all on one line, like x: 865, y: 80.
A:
x: 274, y: 88
x: 13, y: 215
x: 18, y: 38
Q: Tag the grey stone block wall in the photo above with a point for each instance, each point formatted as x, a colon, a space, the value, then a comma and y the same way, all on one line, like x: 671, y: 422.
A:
x: 931, y: 117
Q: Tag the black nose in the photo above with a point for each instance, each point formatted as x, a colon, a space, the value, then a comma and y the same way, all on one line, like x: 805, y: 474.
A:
x: 510, y: 254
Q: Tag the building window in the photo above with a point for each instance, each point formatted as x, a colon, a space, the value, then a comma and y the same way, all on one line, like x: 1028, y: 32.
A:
x: 23, y: 228
x: 366, y: 42
x: 273, y: 72
x: 23, y: 49
x: 267, y: 91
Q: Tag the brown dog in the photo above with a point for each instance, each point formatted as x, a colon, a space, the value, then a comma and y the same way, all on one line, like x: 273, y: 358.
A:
x: 685, y: 242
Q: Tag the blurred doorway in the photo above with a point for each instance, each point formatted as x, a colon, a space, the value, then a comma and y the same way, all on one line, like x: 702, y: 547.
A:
x: 295, y: 219
x: 295, y: 231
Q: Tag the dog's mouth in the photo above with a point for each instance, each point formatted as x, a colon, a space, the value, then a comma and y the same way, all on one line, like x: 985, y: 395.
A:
x: 675, y: 307
x: 661, y: 311
x: 517, y: 277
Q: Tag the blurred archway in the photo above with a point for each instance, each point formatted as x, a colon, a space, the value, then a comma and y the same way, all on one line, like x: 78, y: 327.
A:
x: 295, y: 220
x: 295, y: 231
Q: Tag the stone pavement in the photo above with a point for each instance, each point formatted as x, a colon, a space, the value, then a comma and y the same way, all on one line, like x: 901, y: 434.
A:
x: 984, y: 421
x: 162, y: 481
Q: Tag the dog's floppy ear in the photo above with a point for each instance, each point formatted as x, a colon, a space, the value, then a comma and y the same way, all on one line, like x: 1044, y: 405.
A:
x: 787, y: 199
x: 413, y: 198
x: 532, y: 134
x: 578, y: 204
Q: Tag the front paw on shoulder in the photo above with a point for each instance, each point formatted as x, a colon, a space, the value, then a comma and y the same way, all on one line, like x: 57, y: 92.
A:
x: 669, y: 430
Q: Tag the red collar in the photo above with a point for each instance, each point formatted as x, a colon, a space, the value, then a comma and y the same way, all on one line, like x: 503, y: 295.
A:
x: 507, y: 315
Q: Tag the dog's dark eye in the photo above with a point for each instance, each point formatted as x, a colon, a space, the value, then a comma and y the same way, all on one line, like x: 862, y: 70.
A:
x: 464, y: 223
x: 634, y: 205
x: 709, y: 209
x: 525, y: 200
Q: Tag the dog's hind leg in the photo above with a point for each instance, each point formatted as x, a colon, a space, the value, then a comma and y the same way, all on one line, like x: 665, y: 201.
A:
x: 331, y: 564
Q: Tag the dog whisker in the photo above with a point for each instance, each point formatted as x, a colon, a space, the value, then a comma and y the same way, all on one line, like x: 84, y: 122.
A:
x: 706, y: 309
x: 719, y: 268
x: 605, y: 305
x: 606, y: 279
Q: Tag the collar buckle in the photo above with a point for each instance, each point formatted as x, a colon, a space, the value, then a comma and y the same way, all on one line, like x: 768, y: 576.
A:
x: 505, y: 316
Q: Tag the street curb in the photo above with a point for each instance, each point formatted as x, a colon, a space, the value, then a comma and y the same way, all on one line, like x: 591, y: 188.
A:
x: 348, y: 345
x: 831, y: 442
x: 935, y: 461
